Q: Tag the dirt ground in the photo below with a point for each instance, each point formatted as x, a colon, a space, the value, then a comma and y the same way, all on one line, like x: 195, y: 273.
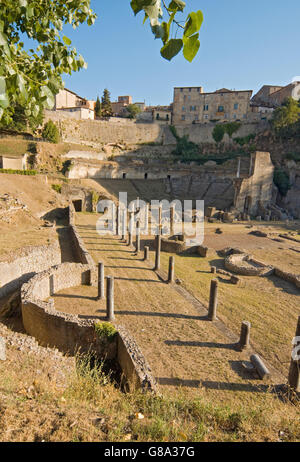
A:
x: 23, y: 228
x: 189, y: 354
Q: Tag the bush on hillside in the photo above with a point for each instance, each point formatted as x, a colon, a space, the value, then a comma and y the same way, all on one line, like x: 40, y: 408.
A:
x: 50, y: 132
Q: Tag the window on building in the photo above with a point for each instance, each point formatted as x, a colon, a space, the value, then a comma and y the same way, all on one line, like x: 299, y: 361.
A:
x: 190, y: 89
x: 236, y: 106
x: 183, y: 117
x: 181, y: 89
x: 183, y: 108
x: 196, y: 117
x: 205, y: 107
x: 206, y: 117
x: 221, y: 109
x: 193, y: 108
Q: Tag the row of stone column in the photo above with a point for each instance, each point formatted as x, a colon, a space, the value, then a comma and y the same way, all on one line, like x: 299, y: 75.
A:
x: 121, y: 224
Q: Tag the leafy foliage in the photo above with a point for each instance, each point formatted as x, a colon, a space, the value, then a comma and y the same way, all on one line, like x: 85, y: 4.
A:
x: 281, y: 180
x: 218, y: 133
x: 56, y: 188
x: 231, y: 128
x: 155, y: 10
x: 106, y: 109
x: 31, y: 78
x: 185, y: 149
x: 133, y: 110
x: 98, y: 107
x: 18, y: 172
x: 50, y: 132
x: 105, y: 331
x: 245, y: 140
x: 285, y: 118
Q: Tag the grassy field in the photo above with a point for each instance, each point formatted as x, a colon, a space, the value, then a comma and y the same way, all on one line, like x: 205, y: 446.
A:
x: 45, y: 400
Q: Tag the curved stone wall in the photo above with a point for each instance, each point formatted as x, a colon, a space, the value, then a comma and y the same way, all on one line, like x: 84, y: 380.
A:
x: 244, y: 265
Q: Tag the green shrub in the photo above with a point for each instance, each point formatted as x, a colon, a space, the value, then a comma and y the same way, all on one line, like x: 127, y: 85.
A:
x: 56, y: 187
x: 50, y: 132
x: 231, y: 128
x: 218, y: 133
x: 105, y: 331
x: 18, y: 172
x: 245, y: 140
x: 293, y: 156
x: 185, y: 149
x: 281, y: 180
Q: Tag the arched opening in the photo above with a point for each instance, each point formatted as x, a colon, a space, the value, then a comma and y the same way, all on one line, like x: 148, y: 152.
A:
x: 146, y: 176
x: 77, y: 205
x: 124, y: 176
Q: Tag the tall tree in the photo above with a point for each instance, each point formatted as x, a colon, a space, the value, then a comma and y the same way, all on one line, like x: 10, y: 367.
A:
x: 98, y: 107
x: 106, y: 109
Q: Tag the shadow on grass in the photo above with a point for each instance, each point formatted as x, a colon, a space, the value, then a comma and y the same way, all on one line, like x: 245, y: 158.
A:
x: 226, y: 346
x: 211, y: 385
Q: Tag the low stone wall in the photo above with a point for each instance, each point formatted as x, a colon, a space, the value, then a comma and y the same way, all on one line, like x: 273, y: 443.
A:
x: 245, y: 265
x: 171, y: 246
x: 205, y: 251
x: 289, y: 277
x: 31, y: 260
x: 133, y: 364
x: 70, y: 334
x: 82, y: 254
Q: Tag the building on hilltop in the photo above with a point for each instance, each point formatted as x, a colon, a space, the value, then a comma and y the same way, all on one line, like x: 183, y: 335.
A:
x: 78, y: 107
x: 275, y: 96
x: 192, y: 105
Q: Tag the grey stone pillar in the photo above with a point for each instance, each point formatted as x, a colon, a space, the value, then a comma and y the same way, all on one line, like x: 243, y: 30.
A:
x: 172, y: 218
x: 171, y: 270
x: 146, y: 253
x: 294, y: 372
x: 160, y: 219
x: 260, y: 367
x: 138, y: 237
x: 130, y: 231
x: 117, y: 220
x: 146, y: 219
x: 110, y: 307
x: 213, y: 300
x: 244, y: 342
x: 157, y: 252
x: 124, y: 218
x: 100, y: 280
x: 238, y: 173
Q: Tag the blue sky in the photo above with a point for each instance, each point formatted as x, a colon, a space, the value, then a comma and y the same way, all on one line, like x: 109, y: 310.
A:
x: 244, y: 44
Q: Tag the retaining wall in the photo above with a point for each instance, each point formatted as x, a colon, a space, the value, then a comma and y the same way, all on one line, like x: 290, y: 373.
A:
x: 31, y: 260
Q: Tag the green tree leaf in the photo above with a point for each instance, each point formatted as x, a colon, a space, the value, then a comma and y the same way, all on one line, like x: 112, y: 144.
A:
x: 193, y: 24
x: 171, y: 48
x: 191, y: 47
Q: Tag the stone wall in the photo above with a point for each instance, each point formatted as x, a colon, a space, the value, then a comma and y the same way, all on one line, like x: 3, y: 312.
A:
x: 253, y: 194
x: 124, y: 131
x: 52, y: 328
x: 30, y: 261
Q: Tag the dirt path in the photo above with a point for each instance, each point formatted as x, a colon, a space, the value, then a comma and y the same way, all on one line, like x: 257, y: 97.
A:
x: 184, y: 350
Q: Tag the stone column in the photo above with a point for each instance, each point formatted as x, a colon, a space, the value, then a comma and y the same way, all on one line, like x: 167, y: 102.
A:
x: 138, y: 237
x: 160, y: 219
x: 260, y: 367
x: 157, y: 252
x: 110, y: 308
x: 146, y: 253
x: 244, y: 342
x: 238, y: 173
x: 124, y: 215
x: 130, y: 231
x: 146, y: 219
x: 100, y: 280
x: 117, y: 221
x: 171, y: 270
x: 213, y: 270
x: 213, y: 300
x: 294, y: 372
x: 172, y: 218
